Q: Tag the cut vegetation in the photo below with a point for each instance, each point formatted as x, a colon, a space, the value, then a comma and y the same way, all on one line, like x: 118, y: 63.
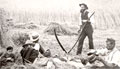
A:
x: 60, y: 30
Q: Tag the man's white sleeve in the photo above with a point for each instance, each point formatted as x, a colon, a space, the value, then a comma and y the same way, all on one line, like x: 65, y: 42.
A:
x: 116, y: 58
x: 102, y: 52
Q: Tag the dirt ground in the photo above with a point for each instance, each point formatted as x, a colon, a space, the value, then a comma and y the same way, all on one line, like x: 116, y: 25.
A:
x: 49, y: 41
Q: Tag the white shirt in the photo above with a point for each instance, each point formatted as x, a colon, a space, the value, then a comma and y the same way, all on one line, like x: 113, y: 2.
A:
x: 111, y: 56
x: 91, y: 19
x: 37, y: 46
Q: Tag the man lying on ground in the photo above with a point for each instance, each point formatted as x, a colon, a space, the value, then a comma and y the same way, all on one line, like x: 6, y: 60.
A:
x: 111, y: 55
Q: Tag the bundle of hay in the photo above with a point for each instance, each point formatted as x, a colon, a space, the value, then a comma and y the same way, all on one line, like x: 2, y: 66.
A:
x: 59, y: 29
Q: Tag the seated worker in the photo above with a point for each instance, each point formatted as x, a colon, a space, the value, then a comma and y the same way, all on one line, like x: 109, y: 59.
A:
x: 8, y: 57
x: 28, y: 51
x: 34, y: 37
x: 111, y: 55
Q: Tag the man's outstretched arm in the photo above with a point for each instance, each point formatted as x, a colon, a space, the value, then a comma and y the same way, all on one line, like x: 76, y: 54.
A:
x: 105, y: 62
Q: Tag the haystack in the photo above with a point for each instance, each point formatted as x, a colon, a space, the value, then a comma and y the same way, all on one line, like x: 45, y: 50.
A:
x: 60, y: 30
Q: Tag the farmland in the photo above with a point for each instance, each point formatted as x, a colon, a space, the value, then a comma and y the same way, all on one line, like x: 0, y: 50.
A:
x: 26, y: 19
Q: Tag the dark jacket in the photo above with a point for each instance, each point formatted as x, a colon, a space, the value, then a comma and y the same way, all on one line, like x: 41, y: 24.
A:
x: 6, y: 55
x: 29, y: 54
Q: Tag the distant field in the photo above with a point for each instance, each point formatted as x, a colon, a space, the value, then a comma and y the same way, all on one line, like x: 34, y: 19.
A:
x: 107, y: 15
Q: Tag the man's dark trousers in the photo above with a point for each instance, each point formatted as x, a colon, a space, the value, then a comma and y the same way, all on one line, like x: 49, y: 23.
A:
x: 87, y: 31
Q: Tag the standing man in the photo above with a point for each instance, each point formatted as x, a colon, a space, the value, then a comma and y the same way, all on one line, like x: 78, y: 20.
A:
x: 87, y: 30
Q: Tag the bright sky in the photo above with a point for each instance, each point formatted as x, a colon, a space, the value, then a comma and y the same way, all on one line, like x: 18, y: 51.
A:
x: 53, y: 5
x: 34, y: 5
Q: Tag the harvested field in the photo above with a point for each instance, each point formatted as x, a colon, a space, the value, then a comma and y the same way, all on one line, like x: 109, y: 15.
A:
x: 49, y: 41
x: 14, y: 32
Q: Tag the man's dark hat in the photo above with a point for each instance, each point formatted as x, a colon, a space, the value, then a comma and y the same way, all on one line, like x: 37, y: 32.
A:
x: 111, y: 40
x: 84, y: 5
x: 9, y: 48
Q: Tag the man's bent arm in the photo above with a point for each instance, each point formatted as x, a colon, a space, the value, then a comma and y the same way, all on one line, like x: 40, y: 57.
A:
x: 107, y: 64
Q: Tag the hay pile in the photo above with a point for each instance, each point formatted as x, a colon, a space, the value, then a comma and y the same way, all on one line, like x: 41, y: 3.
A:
x: 60, y: 30
x: 26, y: 26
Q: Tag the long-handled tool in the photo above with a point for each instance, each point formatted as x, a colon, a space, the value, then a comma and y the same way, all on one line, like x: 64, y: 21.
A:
x: 80, y: 33
x: 59, y: 41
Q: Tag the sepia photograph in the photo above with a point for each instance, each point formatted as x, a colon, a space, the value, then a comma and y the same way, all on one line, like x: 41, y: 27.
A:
x: 59, y: 34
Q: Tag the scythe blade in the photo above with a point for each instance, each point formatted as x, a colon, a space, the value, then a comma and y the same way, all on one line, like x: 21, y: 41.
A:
x: 59, y: 41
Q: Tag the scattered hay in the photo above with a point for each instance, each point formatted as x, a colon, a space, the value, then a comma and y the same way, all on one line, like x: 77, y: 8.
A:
x: 19, y: 25
x: 18, y: 59
x: 32, y: 26
x: 26, y: 26
x: 59, y: 29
